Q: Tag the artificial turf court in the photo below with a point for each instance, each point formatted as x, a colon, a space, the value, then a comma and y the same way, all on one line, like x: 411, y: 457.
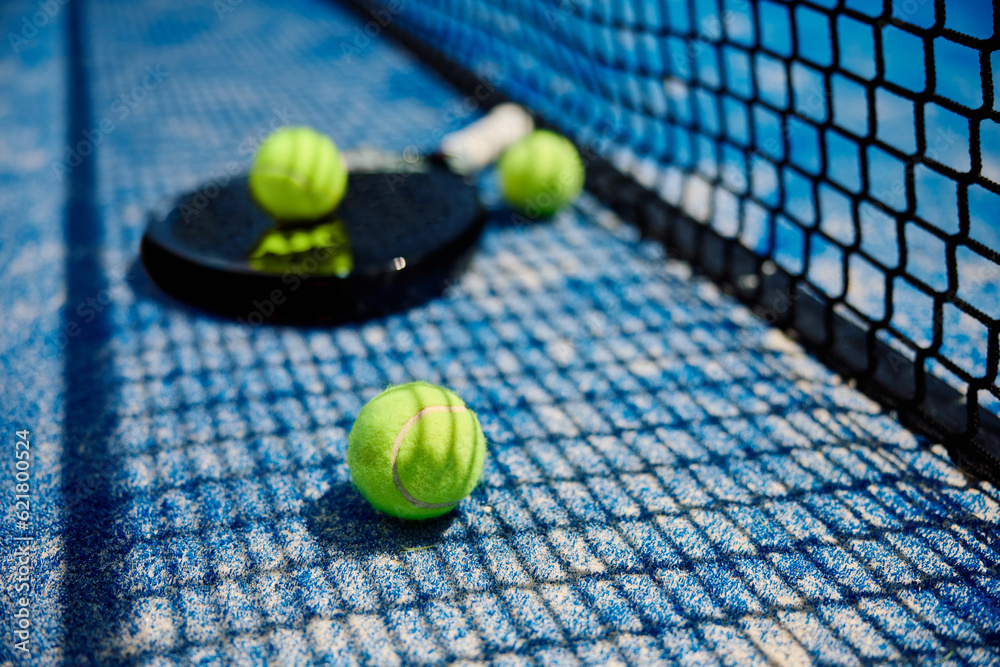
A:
x: 669, y: 479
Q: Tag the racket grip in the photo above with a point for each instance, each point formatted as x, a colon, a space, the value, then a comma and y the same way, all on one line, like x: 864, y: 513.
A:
x: 480, y: 144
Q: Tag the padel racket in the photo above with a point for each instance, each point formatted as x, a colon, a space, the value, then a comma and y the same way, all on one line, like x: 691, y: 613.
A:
x: 406, y: 227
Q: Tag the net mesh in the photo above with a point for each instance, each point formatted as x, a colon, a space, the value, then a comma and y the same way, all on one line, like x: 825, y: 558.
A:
x: 835, y: 163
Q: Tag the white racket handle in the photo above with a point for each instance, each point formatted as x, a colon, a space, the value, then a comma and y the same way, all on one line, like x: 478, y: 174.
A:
x: 480, y: 144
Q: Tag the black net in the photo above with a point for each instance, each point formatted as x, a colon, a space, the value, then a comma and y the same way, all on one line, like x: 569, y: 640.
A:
x: 836, y: 164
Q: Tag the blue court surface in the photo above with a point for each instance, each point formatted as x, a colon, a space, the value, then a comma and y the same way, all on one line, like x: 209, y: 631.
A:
x: 669, y: 480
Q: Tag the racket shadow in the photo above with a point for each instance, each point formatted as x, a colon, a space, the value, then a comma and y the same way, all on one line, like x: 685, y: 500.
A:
x: 145, y: 290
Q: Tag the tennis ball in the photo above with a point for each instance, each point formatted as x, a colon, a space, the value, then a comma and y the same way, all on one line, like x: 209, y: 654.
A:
x: 541, y: 173
x: 415, y: 451
x: 298, y: 175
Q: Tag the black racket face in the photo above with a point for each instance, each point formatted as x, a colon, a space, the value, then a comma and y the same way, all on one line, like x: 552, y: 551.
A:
x: 400, y: 234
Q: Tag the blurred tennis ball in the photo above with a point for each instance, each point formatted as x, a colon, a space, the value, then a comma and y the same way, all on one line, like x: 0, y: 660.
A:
x: 298, y: 175
x: 541, y: 173
x: 322, y: 250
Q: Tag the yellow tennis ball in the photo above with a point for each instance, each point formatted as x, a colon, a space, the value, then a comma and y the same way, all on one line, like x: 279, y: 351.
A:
x: 541, y: 173
x: 298, y: 175
x: 416, y: 450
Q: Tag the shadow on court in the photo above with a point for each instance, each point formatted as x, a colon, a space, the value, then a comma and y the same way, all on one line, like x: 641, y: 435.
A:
x: 344, y: 523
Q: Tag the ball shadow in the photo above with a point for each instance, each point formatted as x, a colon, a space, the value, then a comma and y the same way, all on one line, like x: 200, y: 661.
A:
x: 344, y: 523
x: 504, y: 217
